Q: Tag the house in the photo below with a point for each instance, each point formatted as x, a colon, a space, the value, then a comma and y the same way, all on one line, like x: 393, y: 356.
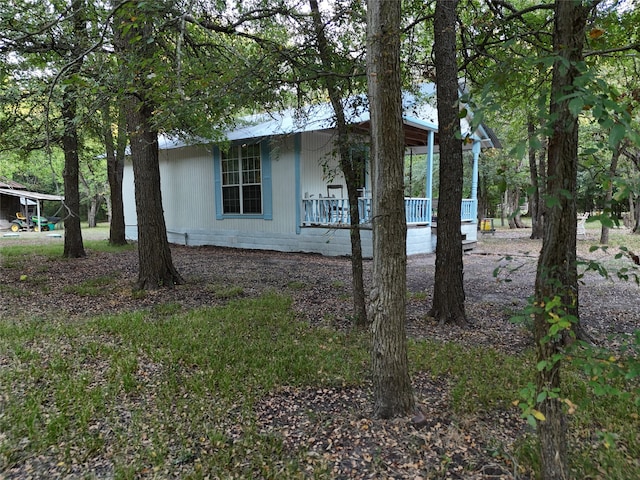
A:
x: 274, y: 184
x: 16, y: 200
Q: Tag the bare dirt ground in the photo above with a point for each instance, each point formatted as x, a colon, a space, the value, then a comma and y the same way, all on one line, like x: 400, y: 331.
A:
x: 320, y: 289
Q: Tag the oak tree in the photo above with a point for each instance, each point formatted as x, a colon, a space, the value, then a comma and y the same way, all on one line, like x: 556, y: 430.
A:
x: 393, y: 393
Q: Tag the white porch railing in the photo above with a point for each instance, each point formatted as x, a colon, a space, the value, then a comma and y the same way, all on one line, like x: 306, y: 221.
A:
x: 335, y: 211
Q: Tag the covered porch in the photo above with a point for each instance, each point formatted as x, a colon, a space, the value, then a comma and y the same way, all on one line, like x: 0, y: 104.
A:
x: 332, y: 210
x: 335, y: 212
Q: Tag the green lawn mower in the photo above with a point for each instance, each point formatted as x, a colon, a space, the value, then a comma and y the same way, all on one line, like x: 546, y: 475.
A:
x: 35, y: 223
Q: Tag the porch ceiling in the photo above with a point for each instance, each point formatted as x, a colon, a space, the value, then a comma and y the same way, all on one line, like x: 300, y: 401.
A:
x: 413, y: 136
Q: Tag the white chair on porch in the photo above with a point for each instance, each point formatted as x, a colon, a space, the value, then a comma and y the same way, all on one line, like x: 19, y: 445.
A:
x: 582, y: 225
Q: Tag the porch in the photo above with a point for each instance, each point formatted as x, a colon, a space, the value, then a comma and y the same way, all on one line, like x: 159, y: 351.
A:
x: 335, y: 213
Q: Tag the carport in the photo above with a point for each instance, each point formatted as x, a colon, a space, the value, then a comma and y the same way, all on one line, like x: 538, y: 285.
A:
x: 14, y: 200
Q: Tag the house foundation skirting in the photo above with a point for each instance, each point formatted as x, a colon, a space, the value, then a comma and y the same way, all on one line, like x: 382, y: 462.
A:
x: 322, y: 240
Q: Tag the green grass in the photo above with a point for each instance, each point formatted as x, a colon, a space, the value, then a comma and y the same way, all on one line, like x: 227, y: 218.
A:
x: 92, y: 287
x: 225, y: 291
x: 166, y: 390
x: 167, y: 386
x: 17, y: 256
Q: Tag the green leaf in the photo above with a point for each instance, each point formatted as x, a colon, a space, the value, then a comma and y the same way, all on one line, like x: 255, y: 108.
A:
x: 575, y: 106
x: 616, y: 135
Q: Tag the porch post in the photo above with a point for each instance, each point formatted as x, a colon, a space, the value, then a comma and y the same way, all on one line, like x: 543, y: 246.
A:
x: 474, y: 179
x: 429, y: 187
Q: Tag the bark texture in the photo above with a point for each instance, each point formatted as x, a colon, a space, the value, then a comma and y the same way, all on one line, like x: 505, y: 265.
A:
x: 156, y: 267
x: 448, y: 291
x: 349, y: 169
x: 608, y: 198
x: 73, y: 244
x: 556, y: 276
x: 536, y: 205
x: 393, y: 394
x: 115, y: 171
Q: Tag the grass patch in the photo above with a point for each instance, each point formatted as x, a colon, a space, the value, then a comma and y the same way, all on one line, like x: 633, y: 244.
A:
x: 225, y: 291
x: 92, y: 287
x: 296, y: 285
x: 164, y: 390
x: 174, y: 391
x: 17, y: 256
x: 11, y: 291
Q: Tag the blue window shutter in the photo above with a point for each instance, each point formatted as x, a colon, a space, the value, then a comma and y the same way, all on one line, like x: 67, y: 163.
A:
x: 217, y: 182
x: 267, y: 190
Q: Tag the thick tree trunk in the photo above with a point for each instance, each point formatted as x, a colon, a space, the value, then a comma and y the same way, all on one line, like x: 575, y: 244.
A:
x: 115, y: 170
x: 633, y: 213
x: 483, y: 200
x: 557, y: 278
x: 393, y: 394
x: 349, y: 169
x: 155, y: 262
x: 608, y: 198
x: 448, y: 291
x: 156, y: 267
x: 73, y: 244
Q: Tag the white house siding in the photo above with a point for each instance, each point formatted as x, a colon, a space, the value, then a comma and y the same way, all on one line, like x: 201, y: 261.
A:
x: 317, y: 148
x: 186, y: 176
x: 188, y: 197
x: 188, y: 194
x: 129, y: 201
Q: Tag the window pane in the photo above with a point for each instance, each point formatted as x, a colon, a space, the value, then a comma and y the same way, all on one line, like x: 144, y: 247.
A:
x: 252, y: 199
x: 242, y: 180
x: 231, y: 199
x: 230, y: 171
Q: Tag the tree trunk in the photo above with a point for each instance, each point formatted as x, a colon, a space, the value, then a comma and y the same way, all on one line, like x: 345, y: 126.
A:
x: 156, y: 267
x: 633, y: 222
x: 536, y: 206
x: 513, y: 206
x: 483, y: 200
x: 115, y: 170
x: 393, y: 394
x: 155, y: 264
x: 608, y: 198
x: 556, y: 277
x: 349, y: 169
x: 92, y: 211
x: 448, y: 291
x: 73, y: 244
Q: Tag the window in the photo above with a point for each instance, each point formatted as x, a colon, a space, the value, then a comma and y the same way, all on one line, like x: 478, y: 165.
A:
x: 241, y: 169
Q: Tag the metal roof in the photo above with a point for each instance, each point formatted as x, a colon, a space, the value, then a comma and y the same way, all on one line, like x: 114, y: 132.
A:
x: 420, y: 115
x: 32, y: 195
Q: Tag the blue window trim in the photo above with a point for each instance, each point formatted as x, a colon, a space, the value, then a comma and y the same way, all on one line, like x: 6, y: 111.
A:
x: 267, y: 188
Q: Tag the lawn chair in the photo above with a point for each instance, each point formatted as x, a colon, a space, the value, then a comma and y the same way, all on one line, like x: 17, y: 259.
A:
x: 582, y: 225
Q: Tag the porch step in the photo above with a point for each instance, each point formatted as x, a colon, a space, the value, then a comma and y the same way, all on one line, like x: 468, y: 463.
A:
x: 468, y: 245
